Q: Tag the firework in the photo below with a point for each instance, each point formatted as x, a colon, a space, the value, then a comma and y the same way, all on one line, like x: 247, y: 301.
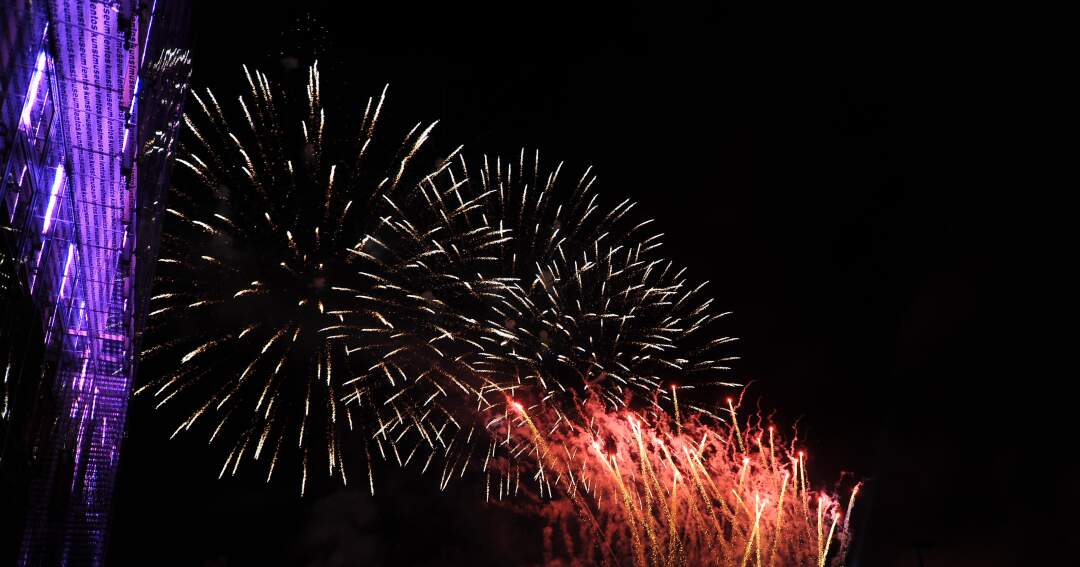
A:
x: 580, y: 306
x: 590, y: 308
x: 623, y: 487
x: 312, y: 281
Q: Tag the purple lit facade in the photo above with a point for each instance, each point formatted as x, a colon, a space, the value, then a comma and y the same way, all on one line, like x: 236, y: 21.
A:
x: 80, y: 208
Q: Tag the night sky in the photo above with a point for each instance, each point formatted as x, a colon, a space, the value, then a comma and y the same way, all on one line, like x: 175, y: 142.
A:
x: 816, y: 167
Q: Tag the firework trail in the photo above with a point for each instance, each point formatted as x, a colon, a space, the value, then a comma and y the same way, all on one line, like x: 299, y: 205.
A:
x: 638, y: 488
x: 590, y: 308
x: 311, y: 282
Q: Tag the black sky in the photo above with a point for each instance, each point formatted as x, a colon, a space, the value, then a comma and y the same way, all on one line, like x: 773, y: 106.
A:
x: 817, y: 167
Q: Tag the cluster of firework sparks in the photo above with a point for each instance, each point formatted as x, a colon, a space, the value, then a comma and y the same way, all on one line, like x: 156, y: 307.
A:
x: 324, y: 298
x: 646, y: 488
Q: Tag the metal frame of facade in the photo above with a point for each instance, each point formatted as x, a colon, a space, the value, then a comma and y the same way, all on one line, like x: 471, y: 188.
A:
x: 93, y: 96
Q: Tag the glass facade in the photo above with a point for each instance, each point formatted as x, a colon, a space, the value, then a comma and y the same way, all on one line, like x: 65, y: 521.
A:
x: 92, y: 94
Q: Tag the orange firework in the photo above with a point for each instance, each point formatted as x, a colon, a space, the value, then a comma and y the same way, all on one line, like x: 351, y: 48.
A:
x: 626, y: 487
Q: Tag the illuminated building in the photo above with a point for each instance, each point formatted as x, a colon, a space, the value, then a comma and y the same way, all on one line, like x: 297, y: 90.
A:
x: 91, y: 94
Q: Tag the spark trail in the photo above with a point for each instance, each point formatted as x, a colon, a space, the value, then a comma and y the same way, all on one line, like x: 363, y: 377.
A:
x: 629, y: 488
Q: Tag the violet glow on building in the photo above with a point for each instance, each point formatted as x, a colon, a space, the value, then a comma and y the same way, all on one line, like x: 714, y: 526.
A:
x: 91, y: 96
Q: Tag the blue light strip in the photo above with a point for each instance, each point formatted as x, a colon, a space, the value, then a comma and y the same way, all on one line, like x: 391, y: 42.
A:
x: 32, y: 92
x: 58, y: 181
x: 60, y: 294
x: 67, y: 269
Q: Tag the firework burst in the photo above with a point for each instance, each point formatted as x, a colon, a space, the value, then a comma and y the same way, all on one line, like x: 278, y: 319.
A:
x: 581, y: 306
x: 641, y: 488
x: 311, y: 280
x: 590, y: 308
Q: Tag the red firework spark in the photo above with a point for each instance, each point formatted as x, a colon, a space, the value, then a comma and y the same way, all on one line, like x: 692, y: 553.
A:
x: 641, y: 488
